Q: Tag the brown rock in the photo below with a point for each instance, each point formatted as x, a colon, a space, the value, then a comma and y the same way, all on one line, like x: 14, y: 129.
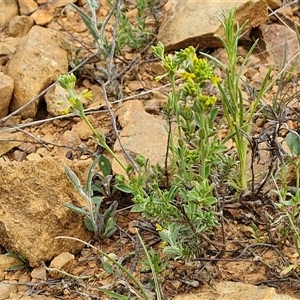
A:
x: 281, y: 44
x: 142, y: 134
x: 27, y: 6
x: 64, y: 262
x: 32, y: 210
x: 39, y: 273
x: 8, y: 10
x: 8, y: 46
x: 6, y: 90
x: 235, y: 290
x: 56, y: 100
x: 6, y: 288
x: 7, y: 262
x: 9, y: 141
x: 19, y: 26
x: 37, y: 62
x: 176, y: 32
x: 42, y: 16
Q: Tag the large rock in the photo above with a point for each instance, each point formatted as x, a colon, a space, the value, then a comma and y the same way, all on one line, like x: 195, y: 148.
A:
x: 8, y: 10
x: 281, y: 44
x: 32, y: 211
x: 142, y: 134
x: 235, y: 290
x: 194, y: 22
x: 6, y: 90
x: 37, y: 62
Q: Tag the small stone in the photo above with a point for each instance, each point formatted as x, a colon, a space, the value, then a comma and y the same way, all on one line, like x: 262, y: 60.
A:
x: 24, y: 278
x: 19, y: 155
x: 42, y: 16
x: 27, y: 6
x: 9, y: 141
x: 63, y: 262
x: 33, y: 156
x: 27, y: 147
x: 6, y: 90
x: 19, y: 26
x: 39, y: 273
x: 7, y: 288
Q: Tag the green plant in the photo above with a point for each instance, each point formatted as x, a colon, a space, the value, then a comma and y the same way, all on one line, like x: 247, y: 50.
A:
x: 239, y: 116
x: 125, y: 33
x: 24, y: 264
x: 180, y: 197
x: 138, y: 289
x: 289, y: 197
x: 68, y: 82
x: 103, y: 225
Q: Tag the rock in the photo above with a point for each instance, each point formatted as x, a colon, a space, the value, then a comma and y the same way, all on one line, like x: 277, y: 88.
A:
x: 24, y: 278
x: 39, y: 273
x: 9, y: 141
x: 280, y: 43
x: 42, y: 16
x: 8, y: 46
x: 8, y: 10
x: 33, y: 194
x: 274, y: 4
x: 142, y: 134
x: 19, y: 26
x: 6, y: 288
x: 56, y: 100
x: 27, y: 6
x: 83, y: 130
x: 63, y: 262
x: 235, y: 290
x: 31, y: 297
x: 190, y: 22
x: 60, y: 3
x: 7, y: 262
x: 6, y: 90
x: 37, y: 62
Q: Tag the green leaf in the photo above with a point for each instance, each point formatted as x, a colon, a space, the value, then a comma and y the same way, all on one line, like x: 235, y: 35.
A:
x: 104, y: 165
x: 107, y: 267
x: 293, y: 143
x: 77, y: 209
x: 115, y: 295
x: 89, y: 224
x: 110, y: 227
x: 125, y: 188
x: 97, y: 199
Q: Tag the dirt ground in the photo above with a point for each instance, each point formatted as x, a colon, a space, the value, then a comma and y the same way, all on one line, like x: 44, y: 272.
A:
x: 252, y: 257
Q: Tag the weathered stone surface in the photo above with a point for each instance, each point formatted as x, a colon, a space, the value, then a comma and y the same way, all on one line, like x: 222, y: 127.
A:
x: 6, y: 288
x: 19, y: 26
x: 194, y: 22
x: 32, y: 211
x: 37, y: 62
x: 42, y: 16
x: 8, y: 46
x: 6, y: 90
x: 8, y: 10
x: 8, y: 141
x: 7, y: 262
x: 27, y: 6
x: 280, y: 43
x: 63, y: 262
x: 142, y: 134
x: 235, y: 290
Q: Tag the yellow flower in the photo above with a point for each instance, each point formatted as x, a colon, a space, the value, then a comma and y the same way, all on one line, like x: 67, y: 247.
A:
x: 158, y: 227
x: 214, y: 80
